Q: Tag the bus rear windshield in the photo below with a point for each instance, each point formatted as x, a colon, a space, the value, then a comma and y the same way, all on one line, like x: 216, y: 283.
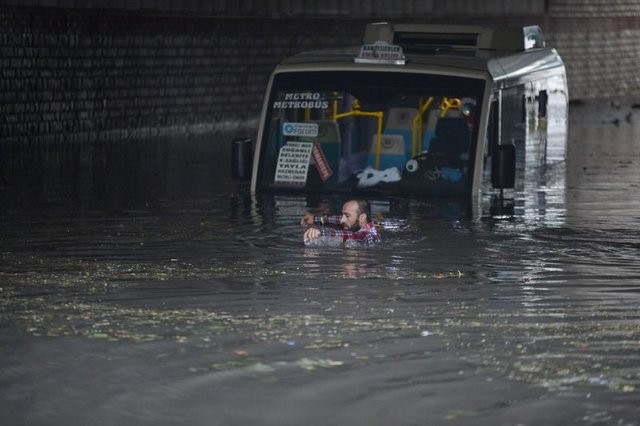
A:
x: 382, y: 132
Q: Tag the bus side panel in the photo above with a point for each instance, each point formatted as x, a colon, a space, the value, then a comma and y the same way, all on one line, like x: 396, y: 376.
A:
x: 513, y: 129
x: 557, y: 116
x: 534, y: 119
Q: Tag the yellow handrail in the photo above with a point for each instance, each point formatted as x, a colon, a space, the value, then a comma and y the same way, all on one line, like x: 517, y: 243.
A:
x: 355, y: 111
x: 416, y: 126
x: 447, y: 104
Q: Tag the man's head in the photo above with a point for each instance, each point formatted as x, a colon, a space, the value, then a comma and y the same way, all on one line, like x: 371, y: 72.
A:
x: 355, y: 214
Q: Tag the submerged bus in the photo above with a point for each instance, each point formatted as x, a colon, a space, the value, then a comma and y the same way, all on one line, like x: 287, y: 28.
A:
x: 416, y: 110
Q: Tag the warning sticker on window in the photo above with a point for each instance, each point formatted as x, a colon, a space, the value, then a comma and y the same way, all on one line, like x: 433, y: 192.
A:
x: 322, y: 165
x: 293, y: 163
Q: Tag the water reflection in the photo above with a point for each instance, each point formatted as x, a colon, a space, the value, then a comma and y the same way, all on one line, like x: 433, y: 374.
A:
x: 604, y: 184
x: 208, y: 309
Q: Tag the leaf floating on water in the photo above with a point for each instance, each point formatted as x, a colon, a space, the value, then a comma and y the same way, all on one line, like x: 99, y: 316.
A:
x: 260, y: 367
x: 451, y: 274
x: 99, y: 336
x: 314, y: 363
x: 622, y: 387
x: 229, y: 365
x: 456, y: 414
x: 325, y: 344
x: 528, y: 367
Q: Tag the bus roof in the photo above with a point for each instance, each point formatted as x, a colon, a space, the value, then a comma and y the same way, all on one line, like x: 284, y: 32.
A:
x: 503, y: 53
x: 345, y: 56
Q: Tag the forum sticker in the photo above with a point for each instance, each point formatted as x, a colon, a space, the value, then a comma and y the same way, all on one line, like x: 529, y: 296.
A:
x: 300, y: 129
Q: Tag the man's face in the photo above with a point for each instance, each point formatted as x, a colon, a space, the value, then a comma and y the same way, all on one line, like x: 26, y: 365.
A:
x: 350, y: 217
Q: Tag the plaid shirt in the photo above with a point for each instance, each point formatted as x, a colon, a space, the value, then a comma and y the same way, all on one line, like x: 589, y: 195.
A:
x: 366, y: 235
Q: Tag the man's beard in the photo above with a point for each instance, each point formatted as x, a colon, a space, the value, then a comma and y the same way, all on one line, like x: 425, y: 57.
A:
x: 354, y: 228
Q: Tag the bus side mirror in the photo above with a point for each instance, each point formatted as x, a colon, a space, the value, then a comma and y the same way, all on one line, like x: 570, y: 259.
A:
x: 503, y: 166
x: 241, y: 158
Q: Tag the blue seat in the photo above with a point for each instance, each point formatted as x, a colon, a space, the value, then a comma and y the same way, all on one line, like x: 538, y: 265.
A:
x: 396, y: 139
x: 328, y: 140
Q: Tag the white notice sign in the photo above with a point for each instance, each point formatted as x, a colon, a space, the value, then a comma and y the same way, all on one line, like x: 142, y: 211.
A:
x: 293, y: 163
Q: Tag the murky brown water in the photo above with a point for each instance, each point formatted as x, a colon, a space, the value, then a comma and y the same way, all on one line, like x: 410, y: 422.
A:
x: 129, y: 300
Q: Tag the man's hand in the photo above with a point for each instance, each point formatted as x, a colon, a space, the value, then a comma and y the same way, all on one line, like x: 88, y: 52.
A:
x: 307, y: 219
x: 311, y: 234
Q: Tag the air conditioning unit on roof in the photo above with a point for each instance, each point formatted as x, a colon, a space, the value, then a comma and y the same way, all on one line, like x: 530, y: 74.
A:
x: 425, y: 38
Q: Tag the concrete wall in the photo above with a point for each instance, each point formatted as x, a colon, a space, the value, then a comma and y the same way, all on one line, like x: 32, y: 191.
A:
x: 311, y: 8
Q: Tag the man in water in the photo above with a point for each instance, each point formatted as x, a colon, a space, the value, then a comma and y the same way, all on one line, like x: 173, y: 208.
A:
x: 355, y: 224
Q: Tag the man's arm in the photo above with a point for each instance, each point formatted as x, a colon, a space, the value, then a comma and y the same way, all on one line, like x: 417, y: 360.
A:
x: 333, y: 220
x: 311, y: 219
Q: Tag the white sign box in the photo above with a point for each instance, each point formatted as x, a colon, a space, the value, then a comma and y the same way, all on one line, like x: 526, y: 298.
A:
x: 293, y: 163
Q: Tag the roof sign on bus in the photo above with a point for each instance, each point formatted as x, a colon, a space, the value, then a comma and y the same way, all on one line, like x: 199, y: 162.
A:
x: 380, y: 52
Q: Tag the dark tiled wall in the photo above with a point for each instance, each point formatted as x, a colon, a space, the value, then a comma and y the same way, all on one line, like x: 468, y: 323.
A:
x: 89, y: 76
x: 114, y: 73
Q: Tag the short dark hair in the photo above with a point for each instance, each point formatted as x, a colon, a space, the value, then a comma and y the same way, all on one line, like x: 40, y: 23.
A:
x: 364, y: 207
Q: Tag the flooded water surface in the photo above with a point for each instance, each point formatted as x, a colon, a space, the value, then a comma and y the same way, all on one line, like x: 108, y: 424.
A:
x: 199, y: 304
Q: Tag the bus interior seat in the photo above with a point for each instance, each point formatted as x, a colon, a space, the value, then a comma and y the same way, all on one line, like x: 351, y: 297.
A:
x: 396, y: 139
x: 328, y: 132
x: 429, y: 129
x: 329, y: 141
x: 452, y: 138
